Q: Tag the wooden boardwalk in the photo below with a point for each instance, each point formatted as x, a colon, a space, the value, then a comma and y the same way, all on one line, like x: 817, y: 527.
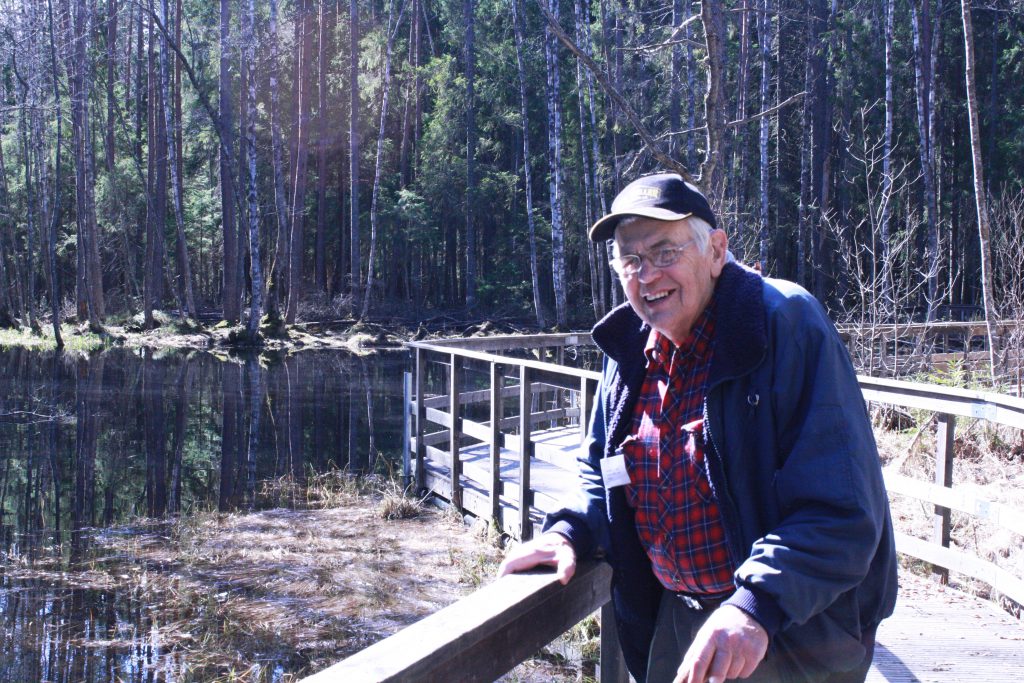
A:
x: 941, y: 635
x: 466, y: 444
x: 937, y: 634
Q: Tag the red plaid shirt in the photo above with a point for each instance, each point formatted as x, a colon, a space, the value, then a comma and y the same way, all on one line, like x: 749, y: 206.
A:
x: 677, y: 516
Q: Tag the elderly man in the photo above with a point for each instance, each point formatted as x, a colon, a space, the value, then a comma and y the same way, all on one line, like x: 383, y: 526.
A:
x: 730, y: 475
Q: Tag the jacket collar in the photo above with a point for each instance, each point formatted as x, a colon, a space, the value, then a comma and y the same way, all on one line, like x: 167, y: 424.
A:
x: 741, y: 336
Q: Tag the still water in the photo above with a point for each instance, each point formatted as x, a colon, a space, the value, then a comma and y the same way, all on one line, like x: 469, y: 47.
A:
x: 91, y: 443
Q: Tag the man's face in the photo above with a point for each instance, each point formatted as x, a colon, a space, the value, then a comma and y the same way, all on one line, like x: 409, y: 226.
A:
x: 671, y: 298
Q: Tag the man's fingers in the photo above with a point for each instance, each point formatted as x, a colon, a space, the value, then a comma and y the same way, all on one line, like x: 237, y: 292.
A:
x: 566, y: 566
x: 550, y: 550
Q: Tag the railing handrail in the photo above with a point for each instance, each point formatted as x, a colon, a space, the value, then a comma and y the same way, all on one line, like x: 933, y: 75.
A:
x: 452, y: 347
x: 986, y: 405
x: 483, y: 635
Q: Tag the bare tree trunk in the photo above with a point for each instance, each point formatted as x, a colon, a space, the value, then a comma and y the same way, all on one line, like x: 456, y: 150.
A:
x: 886, y: 195
x: 980, y: 199
x: 156, y: 187
x: 322, y: 168
x: 28, y: 104
x: 6, y: 225
x: 280, y: 223
x: 555, y: 183
x: 79, y: 113
x: 588, y: 162
x: 468, y: 12
x: 355, y: 273
x: 534, y: 269
x: 924, y: 72
x: 738, y: 171
x: 249, y: 121
x: 185, y: 295
x: 112, y: 9
x: 765, y: 38
x: 676, y: 82
x: 379, y: 166
x: 692, y: 88
x: 295, y: 248
x: 55, y: 217
x: 712, y: 170
x: 231, y: 276
x: 809, y: 207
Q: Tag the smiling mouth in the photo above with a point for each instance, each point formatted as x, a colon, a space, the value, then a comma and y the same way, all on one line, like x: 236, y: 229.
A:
x: 656, y: 296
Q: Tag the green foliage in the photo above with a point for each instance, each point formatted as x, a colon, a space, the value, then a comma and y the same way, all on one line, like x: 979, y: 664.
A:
x: 423, y: 197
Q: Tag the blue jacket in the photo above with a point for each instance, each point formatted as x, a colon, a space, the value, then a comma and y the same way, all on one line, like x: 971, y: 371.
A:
x: 791, y: 458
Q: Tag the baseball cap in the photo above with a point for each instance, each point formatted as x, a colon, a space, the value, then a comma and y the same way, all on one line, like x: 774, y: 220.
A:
x: 662, y: 196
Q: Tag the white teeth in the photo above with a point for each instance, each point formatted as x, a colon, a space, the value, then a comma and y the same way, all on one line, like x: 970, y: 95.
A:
x: 655, y: 297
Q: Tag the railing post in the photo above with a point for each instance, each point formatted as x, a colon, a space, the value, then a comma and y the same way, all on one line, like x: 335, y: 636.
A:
x: 456, y: 430
x: 613, y: 666
x: 525, y: 451
x: 586, y: 405
x: 944, y: 438
x: 407, y: 412
x: 421, y: 418
x: 497, y: 374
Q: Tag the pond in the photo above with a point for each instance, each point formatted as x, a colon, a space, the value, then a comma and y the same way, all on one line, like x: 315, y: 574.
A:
x: 92, y: 444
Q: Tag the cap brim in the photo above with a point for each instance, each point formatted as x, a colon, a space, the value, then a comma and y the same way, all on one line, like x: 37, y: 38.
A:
x: 604, y: 229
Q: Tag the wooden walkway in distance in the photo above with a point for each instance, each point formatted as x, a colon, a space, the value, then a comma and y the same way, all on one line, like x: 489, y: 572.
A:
x: 941, y: 635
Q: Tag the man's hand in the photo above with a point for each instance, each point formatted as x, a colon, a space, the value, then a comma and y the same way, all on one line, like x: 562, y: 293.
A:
x: 548, y: 549
x: 730, y: 644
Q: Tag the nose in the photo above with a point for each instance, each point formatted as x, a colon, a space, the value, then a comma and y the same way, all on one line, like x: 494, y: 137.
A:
x: 648, y: 272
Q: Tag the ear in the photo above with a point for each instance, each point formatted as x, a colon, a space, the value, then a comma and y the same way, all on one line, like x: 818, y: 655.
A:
x: 719, y: 248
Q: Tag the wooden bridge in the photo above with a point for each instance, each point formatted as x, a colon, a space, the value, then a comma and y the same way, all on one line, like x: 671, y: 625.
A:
x: 493, y: 426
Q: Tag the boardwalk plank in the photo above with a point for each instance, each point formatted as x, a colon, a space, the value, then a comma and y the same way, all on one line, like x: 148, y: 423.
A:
x: 940, y: 635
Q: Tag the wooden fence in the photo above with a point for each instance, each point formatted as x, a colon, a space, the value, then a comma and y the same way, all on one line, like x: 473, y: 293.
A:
x: 894, y: 350
x: 487, y: 633
x: 516, y: 423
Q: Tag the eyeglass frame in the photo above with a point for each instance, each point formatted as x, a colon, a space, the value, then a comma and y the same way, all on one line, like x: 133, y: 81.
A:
x: 676, y: 253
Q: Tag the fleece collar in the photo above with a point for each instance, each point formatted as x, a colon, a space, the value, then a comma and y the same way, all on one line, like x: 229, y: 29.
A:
x: 741, y: 337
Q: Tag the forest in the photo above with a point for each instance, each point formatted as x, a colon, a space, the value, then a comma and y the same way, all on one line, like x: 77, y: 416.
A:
x: 400, y: 159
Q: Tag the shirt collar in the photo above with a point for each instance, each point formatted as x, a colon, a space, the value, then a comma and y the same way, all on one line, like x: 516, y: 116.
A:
x: 659, y: 347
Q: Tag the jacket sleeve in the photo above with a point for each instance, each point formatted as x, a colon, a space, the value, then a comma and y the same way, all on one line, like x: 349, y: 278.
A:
x: 830, y: 507
x: 583, y: 516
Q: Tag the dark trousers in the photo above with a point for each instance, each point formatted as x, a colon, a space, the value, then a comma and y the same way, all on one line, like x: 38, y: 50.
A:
x: 678, y: 623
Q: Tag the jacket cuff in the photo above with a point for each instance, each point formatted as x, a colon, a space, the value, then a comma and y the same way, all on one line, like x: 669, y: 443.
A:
x: 575, y: 531
x: 761, y: 607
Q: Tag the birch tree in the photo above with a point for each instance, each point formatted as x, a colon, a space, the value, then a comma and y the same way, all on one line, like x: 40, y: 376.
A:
x: 469, y: 17
x: 538, y: 308
x: 230, y: 275
x: 980, y: 198
x: 355, y: 266
x: 303, y: 54
x: 186, y: 298
x: 392, y: 32
x: 555, y: 170
x: 249, y: 121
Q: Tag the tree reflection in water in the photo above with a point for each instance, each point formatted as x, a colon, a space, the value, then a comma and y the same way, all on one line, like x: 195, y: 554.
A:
x: 91, y: 443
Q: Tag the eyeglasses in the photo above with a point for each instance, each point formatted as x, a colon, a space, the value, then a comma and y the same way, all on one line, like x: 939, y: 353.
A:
x: 627, y: 266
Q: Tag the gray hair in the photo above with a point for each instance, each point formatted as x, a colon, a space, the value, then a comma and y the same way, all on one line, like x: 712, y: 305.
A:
x: 700, y: 228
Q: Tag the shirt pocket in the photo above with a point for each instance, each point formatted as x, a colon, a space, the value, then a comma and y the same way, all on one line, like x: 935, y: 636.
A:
x: 695, y: 471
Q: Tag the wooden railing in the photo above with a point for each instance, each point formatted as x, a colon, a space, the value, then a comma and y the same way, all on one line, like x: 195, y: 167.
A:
x: 485, y: 634
x: 948, y: 403
x: 489, y: 632
x: 545, y: 393
x: 897, y: 349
